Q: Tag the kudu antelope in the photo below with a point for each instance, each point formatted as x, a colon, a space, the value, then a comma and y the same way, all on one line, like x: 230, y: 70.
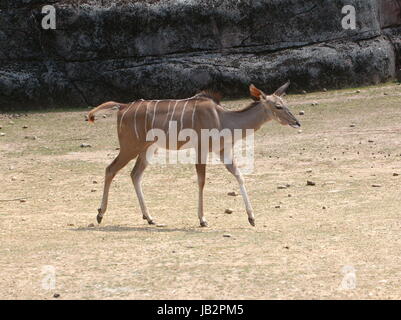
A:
x: 202, y: 111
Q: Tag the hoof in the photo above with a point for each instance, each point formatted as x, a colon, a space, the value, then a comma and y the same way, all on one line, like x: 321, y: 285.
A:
x: 251, y: 221
x: 151, y: 222
x: 204, y: 224
x: 99, y: 216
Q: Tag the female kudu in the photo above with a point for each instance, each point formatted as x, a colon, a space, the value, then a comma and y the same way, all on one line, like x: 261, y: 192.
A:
x: 202, y: 111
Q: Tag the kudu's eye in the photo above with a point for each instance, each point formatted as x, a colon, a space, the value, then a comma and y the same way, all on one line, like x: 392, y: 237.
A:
x: 279, y: 107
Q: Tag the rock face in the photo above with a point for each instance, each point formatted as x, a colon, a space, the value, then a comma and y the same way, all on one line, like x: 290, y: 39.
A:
x: 123, y: 50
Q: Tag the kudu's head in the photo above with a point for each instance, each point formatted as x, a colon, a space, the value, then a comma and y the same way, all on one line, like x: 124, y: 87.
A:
x: 275, y: 105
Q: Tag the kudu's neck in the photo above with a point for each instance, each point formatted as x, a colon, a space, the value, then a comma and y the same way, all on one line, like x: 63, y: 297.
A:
x: 250, y: 118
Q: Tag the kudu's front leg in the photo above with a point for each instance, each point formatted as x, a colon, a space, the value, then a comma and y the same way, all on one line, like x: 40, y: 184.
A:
x: 201, y: 171
x: 232, y: 167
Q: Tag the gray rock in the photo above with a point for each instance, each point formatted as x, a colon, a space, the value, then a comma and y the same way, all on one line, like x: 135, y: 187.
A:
x: 161, y: 225
x: 173, y: 48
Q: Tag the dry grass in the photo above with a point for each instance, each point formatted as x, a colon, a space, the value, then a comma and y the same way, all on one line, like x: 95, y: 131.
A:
x: 296, y: 251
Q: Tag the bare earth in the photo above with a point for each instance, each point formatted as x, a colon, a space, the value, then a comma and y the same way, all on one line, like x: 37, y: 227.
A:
x: 297, y: 251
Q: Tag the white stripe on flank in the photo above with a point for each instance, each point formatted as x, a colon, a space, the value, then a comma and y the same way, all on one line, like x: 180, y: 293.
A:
x: 174, y: 110
x: 182, y: 113
x: 154, y: 113
x: 121, y: 121
x: 146, y: 117
x: 193, y: 113
x: 168, y: 111
x: 136, y: 130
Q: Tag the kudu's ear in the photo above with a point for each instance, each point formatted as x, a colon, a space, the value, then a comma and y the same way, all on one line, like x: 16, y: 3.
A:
x: 280, y: 91
x: 255, y: 92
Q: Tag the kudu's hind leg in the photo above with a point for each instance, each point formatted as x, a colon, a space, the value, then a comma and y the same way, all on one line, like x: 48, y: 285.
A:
x: 233, y: 169
x: 136, y: 176
x: 118, y: 163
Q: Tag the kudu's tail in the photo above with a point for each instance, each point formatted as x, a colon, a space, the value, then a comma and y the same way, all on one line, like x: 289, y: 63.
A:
x: 106, y: 105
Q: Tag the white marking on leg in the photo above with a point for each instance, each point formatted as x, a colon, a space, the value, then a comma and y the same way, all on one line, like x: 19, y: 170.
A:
x: 200, y: 207
x: 232, y: 167
x: 248, y: 205
x: 244, y: 194
x: 137, y: 108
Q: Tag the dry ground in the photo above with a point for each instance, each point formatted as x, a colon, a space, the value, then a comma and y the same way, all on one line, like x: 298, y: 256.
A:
x: 295, y: 251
